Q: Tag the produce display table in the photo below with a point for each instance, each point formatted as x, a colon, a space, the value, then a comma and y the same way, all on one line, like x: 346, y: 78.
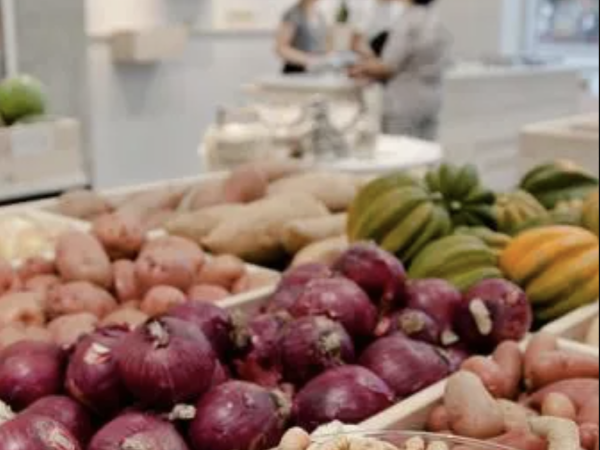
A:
x: 16, y: 192
x: 393, y: 153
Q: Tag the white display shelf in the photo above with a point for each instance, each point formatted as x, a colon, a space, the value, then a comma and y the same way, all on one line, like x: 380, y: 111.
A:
x: 14, y: 192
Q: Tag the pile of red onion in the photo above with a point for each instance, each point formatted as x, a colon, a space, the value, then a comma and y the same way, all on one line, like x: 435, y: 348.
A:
x: 335, y: 343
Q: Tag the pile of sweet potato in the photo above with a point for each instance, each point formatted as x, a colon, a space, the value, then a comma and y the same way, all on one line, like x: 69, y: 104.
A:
x: 501, y: 399
x: 112, y: 276
x: 265, y: 214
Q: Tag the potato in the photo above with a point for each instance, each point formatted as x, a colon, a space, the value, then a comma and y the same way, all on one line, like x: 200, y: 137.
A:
x: 14, y: 333
x: 299, y: 234
x: 126, y: 283
x: 22, y: 308
x: 122, y: 236
x: 80, y: 257
x: 125, y: 316
x: 559, y: 405
x: 36, y: 266
x: 146, y: 204
x: 8, y: 278
x: 169, y: 261
x: 42, y: 284
x: 204, y: 195
x: 439, y: 420
x: 324, y: 252
x: 223, y: 271
x: 80, y: 297
x: 83, y: 204
x: 67, y: 330
x: 245, y: 184
x: 334, y: 190
x: 254, y: 236
x: 253, y: 281
x: 197, y: 225
x: 561, y: 365
x: 160, y: 299
x: 276, y: 169
x: 207, y: 293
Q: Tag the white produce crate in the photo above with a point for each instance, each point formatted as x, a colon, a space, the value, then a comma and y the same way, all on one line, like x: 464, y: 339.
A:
x: 412, y: 414
x: 575, y: 326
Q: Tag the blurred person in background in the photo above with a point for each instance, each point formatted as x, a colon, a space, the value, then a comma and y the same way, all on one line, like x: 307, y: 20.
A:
x: 302, y: 38
x: 378, y: 22
x: 412, y: 65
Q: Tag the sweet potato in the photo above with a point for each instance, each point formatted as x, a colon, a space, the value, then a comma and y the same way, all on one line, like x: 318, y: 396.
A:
x: 125, y: 316
x: 579, y: 391
x: 122, y: 236
x: 146, y: 204
x: 501, y: 374
x: 561, y: 365
x: 83, y: 204
x: 34, y: 267
x: 14, y: 333
x: 80, y: 257
x: 590, y: 412
x: 301, y: 233
x: 207, y: 293
x: 561, y: 434
x: 204, y: 195
x: 324, y: 252
x: 22, y: 308
x: 169, y: 261
x: 334, y: 190
x: 245, y: 184
x: 473, y: 412
x: 559, y: 405
x: 127, y: 287
x: 223, y: 271
x: 439, y: 420
x: 522, y: 440
x: 539, y: 345
x: 277, y: 169
x: 66, y: 330
x: 255, y: 236
x: 198, y: 225
x: 160, y: 299
x: 593, y: 336
x: 589, y: 436
x: 80, y: 297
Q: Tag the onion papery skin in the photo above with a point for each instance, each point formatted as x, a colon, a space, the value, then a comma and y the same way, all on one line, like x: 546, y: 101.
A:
x: 349, y: 394
x: 406, y: 366
x: 214, y: 322
x: 340, y: 300
x: 73, y: 416
x: 30, y: 371
x: 93, y: 376
x: 239, y: 416
x: 33, y: 432
x: 166, y: 362
x: 293, y: 283
x: 138, y: 431
x: 311, y: 345
x: 379, y: 273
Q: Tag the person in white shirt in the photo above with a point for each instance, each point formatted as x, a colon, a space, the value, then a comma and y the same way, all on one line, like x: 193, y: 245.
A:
x: 378, y: 20
x: 412, y: 66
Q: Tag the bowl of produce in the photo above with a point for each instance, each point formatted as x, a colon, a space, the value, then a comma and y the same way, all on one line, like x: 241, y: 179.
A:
x: 388, y: 440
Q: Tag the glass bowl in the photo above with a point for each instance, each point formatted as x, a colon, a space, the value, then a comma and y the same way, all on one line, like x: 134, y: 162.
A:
x: 401, y: 438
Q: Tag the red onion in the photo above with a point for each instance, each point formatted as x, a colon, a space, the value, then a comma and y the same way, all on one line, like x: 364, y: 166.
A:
x: 165, y: 362
x: 313, y: 344
x: 439, y: 300
x: 68, y: 413
x: 340, y: 300
x: 239, y: 416
x: 349, y: 394
x: 455, y: 356
x: 407, y: 366
x: 138, y: 431
x: 220, y: 376
x: 293, y: 283
x: 213, y: 321
x: 33, y: 432
x: 492, y: 312
x: 379, y: 273
x: 93, y: 376
x: 416, y: 325
x: 259, y: 341
x: 29, y: 371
